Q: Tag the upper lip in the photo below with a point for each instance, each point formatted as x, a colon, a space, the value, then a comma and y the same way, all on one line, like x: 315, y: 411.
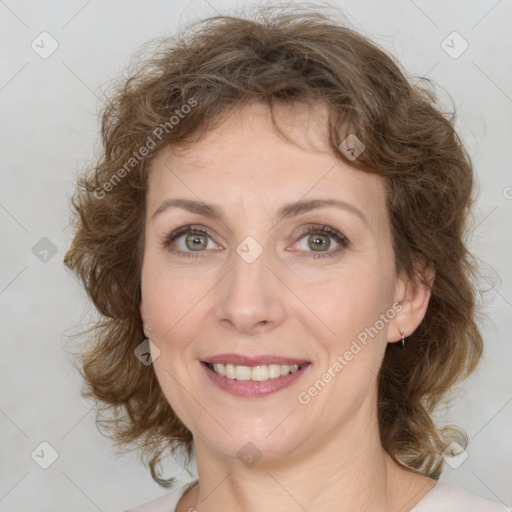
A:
x: 241, y: 360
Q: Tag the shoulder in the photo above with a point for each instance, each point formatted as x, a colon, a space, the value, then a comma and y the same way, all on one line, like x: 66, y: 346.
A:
x: 449, y: 497
x: 166, y: 503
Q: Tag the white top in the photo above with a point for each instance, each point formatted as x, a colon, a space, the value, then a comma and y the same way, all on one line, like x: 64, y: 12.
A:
x: 443, y: 497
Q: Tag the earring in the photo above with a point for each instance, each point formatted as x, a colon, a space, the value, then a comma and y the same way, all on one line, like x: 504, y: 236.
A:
x: 403, y: 337
x: 148, y: 334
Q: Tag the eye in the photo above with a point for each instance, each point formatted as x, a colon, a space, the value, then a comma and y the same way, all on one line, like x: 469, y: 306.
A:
x: 320, y: 243
x: 189, y: 240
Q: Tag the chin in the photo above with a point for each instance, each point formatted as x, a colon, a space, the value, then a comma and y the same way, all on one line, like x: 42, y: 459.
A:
x: 254, y: 441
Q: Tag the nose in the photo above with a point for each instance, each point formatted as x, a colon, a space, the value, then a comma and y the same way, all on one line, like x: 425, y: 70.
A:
x: 250, y: 297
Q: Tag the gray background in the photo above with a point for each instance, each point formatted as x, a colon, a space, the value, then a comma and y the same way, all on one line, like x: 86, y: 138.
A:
x: 49, y: 131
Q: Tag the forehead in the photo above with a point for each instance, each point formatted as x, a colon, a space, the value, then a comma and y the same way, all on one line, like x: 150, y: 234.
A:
x: 244, y: 162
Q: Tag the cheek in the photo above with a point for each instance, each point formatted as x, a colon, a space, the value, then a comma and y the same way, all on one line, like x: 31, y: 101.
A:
x: 173, y: 300
x: 349, y: 301
x: 357, y: 301
x: 172, y: 297
x: 353, y: 340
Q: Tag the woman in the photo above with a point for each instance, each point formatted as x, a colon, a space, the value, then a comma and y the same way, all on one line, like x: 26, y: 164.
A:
x: 282, y: 217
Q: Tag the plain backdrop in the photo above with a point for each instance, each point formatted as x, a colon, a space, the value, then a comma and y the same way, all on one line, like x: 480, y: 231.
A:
x: 49, y: 132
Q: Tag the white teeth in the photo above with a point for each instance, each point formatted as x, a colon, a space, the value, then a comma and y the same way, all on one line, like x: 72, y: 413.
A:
x: 242, y: 372
x: 230, y: 370
x: 258, y: 373
x: 274, y: 370
x: 220, y: 369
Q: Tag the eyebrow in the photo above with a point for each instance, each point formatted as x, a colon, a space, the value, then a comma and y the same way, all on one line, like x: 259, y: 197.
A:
x: 285, y: 212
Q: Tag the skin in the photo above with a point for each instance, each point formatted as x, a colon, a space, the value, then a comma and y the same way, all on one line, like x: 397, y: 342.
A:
x: 325, y: 455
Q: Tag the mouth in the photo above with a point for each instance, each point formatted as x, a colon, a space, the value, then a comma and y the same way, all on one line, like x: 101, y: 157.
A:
x: 257, y: 377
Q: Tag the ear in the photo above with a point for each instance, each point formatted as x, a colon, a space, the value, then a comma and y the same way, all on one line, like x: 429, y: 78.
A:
x: 413, y: 294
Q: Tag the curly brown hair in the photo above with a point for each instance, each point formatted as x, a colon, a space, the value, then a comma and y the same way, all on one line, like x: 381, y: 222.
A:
x: 273, y: 55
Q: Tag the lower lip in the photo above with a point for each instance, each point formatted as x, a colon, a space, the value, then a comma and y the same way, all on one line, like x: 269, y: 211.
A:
x: 251, y: 388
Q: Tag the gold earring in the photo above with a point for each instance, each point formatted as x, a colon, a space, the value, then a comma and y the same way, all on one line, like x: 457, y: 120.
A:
x: 403, y: 337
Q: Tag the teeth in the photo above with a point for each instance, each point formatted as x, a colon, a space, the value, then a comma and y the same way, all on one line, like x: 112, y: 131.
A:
x: 274, y: 371
x: 229, y: 370
x: 258, y: 373
x: 242, y: 373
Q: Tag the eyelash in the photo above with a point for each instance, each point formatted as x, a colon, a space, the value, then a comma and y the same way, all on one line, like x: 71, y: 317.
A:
x: 311, y: 230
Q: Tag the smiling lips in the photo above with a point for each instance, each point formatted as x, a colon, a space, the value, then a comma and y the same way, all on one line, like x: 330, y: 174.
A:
x: 256, y: 376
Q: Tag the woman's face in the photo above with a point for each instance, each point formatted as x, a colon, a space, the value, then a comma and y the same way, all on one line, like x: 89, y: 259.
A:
x: 252, y: 287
